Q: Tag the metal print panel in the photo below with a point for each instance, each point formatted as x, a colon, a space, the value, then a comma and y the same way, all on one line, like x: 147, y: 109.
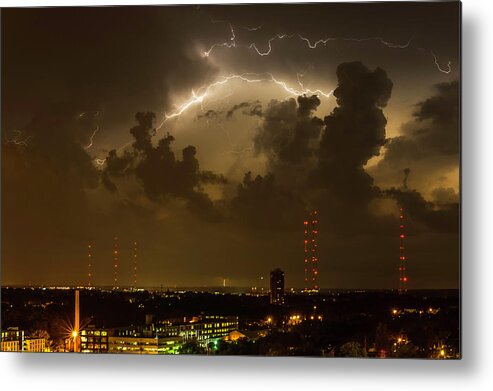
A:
x: 276, y: 180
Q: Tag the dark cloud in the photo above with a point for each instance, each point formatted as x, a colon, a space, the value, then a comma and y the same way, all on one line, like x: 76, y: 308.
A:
x: 249, y: 108
x: 429, y: 144
x: 86, y: 66
x: 423, y: 214
x: 406, y: 171
x: 156, y: 168
x: 44, y: 190
x: 54, y: 142
x: 322, y: 162
x: 263, y: 204
x: 354, y: 132
x: 443, y: 111
x: 253, y: 108
x: 324, y: 165
x: 210, y: 114
x: 289, y: 132
x: 443, y: 196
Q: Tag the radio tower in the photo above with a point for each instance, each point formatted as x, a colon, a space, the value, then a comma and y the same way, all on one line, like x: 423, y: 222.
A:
x: 402, y: 236
x: 402, y: 256
x: 89, y: 265
x: 305, y: 241
x: 115, y: 263
x: 135, y: 265
x: 310, y: 252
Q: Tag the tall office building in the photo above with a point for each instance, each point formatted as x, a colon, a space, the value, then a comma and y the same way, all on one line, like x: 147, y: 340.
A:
x: 277, y: 287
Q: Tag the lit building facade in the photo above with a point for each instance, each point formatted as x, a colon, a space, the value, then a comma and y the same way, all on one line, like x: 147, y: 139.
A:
x: 93, y: 340
x: 12, y: 340
x: 167, y: 337
x: 140, y: 344
x: 277, y: 287
x: 35, y: 345
x: 202, y: 330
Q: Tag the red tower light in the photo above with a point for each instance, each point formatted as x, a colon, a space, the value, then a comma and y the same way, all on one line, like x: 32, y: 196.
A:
x: 310, y: 246
x: 135, y: 265
x: 89, y: 265
x: 115, y: 265
x: 402, y: 256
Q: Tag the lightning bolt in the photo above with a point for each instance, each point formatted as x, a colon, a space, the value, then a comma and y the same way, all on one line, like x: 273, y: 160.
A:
x: 269, y: 44
x: 92, y: 137
x: 311, y: 45
x: 449, y: 66
x: 228, y: 44
x: 96, y: 129
x: 199, y: 96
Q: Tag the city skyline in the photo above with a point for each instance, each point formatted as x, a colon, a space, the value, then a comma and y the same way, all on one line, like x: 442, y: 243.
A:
x: 207, y: 134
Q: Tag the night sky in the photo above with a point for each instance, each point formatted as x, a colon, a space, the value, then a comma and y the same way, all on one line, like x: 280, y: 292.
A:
x: 116, y: 122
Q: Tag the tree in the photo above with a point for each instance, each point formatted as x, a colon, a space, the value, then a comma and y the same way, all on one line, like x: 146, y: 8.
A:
x: 407, y: 350
x: 191, y: 347
x: 352, y: 349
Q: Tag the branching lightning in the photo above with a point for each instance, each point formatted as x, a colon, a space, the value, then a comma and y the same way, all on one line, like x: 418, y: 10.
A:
x: 228, y: 44
x: 315, y: 44
x: 311, y: 45
x: 203, y: 92
x: 199, y: 95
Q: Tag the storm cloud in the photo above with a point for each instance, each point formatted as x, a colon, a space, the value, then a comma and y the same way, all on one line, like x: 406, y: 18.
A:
x: 288, y: 136
x: 263, y: 204
x: 158, y: 171
x: 69, y: 101
x: 429, y: 144
x: 354, y: 132
x: 253, y: 108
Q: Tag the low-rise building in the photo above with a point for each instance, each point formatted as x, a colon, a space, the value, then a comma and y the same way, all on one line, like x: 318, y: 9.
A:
x: 144, y: 345
x: 94, y: 340
x: 167, y: 337
x: 35, y: 345
x: 202, y: 329
x: 12, y: 340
